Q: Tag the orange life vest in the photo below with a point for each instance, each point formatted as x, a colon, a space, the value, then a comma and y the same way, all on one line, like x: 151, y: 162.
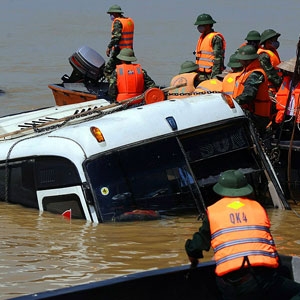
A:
x: 205, y: 52
x: 185, y: 91
x: 127, y: 32
x: 242, y: 45
x: 275, y: 61
x: 229, y: 82
x: 281, y: 100
x: 240, y: 228
x: 210, y: 85
x: 262, y: 103
x: 130, y: 81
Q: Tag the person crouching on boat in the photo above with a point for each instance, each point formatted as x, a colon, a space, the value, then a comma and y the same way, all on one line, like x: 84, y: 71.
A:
x: 128, y: 80
x: 238, y: 229
x: 189, y: 75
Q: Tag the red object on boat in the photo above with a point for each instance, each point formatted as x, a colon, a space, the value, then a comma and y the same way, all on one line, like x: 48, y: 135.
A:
x: 153, y: 95
x: 67, y: 214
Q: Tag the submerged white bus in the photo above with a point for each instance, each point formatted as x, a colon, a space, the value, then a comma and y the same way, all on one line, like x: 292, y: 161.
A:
x: 108, y: 165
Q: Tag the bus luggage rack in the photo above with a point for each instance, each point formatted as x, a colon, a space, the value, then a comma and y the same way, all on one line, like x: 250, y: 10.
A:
x: 34, y: 123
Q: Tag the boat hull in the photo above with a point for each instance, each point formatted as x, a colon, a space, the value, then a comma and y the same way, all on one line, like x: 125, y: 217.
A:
x: 63, y: 96
x: 174, y: 283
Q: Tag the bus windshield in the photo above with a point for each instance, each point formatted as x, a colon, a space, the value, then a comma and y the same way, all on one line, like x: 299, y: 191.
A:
x: 161, y: 174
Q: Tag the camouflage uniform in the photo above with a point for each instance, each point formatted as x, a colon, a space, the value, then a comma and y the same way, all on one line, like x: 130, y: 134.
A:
x: 271, y: 72
x: 218, y: 65
x: 113, y: 89
x: 115, y: 40
x: 251, y: 87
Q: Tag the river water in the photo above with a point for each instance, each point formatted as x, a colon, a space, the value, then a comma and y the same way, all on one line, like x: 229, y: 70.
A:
x: 41, y: 252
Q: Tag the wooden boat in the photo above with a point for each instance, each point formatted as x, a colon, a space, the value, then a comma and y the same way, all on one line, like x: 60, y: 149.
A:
x: 163, y: 284
x: 86, y: 82
x: 108, y: 163
x: 65, y: 94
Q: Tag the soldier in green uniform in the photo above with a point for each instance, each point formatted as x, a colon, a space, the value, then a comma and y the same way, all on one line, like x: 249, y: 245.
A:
x: 120, y: 37
x: 253, y: 38
x: 269, y: 58
x: 126, y: 56
x: 259, y: 281
x: 210, y: 49
x: 253, y: 97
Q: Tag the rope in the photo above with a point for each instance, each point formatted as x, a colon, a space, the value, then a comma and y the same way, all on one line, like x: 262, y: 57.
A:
x: 194, y: 93
x: 95, y: 114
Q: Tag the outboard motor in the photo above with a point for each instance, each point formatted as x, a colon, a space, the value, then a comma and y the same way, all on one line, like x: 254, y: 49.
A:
x: 88, y: 66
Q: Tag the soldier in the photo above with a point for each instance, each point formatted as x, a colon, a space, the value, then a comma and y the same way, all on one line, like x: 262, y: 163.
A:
x: 238, y: 229
x: 251, y: 89
x: 229, y: 80
x: 269, y: 59
x: 128, y: 80
x: 210, y: 50
x: 122, y: 31
x: 253, y: 39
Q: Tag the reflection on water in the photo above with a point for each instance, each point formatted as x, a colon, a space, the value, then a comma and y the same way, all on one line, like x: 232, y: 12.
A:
x: 43, y: 252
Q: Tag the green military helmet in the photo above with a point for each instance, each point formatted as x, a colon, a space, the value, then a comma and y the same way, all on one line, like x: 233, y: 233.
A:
x: 268, y: 34
x: 253, y: 35
x: 234, y: 62
x: 232, y: 183
x: 204, y: 19
x: 247, y: 52
x: 126, y: 54
x: 115, y: 9
x: 188, y: 66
